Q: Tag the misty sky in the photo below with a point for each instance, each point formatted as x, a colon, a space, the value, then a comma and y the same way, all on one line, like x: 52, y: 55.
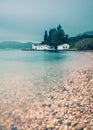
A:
x: 28, y: 19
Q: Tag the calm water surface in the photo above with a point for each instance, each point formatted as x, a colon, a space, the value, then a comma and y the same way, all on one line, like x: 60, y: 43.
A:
x: 37, y: 69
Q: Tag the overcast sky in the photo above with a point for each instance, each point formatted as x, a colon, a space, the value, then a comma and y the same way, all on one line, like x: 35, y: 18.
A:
x: 28, y: 19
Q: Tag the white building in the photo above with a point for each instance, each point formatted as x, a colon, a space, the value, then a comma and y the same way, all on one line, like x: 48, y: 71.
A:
x: 63, y: 47
x: 47, y: 47
x: 40, y: 47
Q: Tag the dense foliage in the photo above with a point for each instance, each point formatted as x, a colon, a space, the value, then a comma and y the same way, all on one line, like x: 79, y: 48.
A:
x: 85, y: 44
x: 55, y: 37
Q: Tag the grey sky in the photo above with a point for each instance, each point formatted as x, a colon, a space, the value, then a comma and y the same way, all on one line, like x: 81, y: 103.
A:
x: 28, y: 19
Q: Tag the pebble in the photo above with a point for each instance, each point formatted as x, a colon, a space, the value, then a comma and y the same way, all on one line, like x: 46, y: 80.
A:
x: 68, y: 123
x: 51, y: 126
x: 66, y: 105
x: 68, y: 110
x: 54, y: 113
x: 80, y: 126
x: 60, y: 121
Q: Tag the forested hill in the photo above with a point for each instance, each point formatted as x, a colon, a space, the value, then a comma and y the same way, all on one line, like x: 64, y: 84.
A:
x: 84, y: 44
x: 14, y: 45
x: 89, y: 33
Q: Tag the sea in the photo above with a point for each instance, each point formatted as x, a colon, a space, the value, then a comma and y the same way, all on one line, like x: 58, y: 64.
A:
x: 37, y: 71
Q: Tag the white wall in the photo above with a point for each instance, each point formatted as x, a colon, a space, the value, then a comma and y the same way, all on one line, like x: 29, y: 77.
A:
x: 63, y: 47
x: 46, y: 47
x: 40, y: 47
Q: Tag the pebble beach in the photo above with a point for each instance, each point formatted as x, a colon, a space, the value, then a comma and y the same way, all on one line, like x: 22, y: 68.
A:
x: 67, y: 105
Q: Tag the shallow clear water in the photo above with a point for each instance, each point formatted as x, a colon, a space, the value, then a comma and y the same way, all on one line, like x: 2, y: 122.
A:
x: 27, y: 79
x: 37, y: 69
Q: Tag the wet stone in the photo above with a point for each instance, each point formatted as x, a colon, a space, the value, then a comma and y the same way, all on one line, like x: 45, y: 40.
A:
x: 14, y: 128
x: 81, y: 111
x: 52, y: 97
x: 60, y: 121
x: 68, y: 123
x: 46, y: 105
x: 49, y: 105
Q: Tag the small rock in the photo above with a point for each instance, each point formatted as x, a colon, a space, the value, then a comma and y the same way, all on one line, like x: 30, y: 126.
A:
x: 74, y: 124
x: 68, y: 123
x: 59, y: 105
x: 80, y: 126
x: 49, y: 105
x: 71, y: 83
x: 44, y: 105
x: 55, y: 121
x: 52, y: 97
x: 51, y: 126
x: 54, y: 113
x: 66, y: 105
x: 78, y: 116
x: 60, y: 121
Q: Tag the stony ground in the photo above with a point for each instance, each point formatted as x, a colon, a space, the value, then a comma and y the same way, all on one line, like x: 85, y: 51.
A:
x: 68, y: 106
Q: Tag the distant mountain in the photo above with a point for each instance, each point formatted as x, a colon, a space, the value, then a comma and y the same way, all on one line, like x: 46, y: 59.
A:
x: 88, y: 33
x: 14, y: 45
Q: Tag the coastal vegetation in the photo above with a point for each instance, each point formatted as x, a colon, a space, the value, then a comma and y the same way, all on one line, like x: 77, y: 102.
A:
x: 84, y: 44
x: 57, y: 36
x: 81, y: 42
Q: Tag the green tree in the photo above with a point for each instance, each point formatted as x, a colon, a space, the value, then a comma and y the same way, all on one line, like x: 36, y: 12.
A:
x: 66, y: 39
x: 51, y: 31
x: 55, y: 37
x: 59, y: 27
x: 45, y: 37
x: 58, y: 37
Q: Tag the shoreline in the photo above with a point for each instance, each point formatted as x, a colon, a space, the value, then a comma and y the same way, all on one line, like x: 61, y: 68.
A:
x: 28, y: 49
x: 67, y: 106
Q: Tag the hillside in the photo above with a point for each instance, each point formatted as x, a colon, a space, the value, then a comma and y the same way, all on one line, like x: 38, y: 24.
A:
x: 14, y: 45
x: 89, y: 33
x: 84, y: 44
